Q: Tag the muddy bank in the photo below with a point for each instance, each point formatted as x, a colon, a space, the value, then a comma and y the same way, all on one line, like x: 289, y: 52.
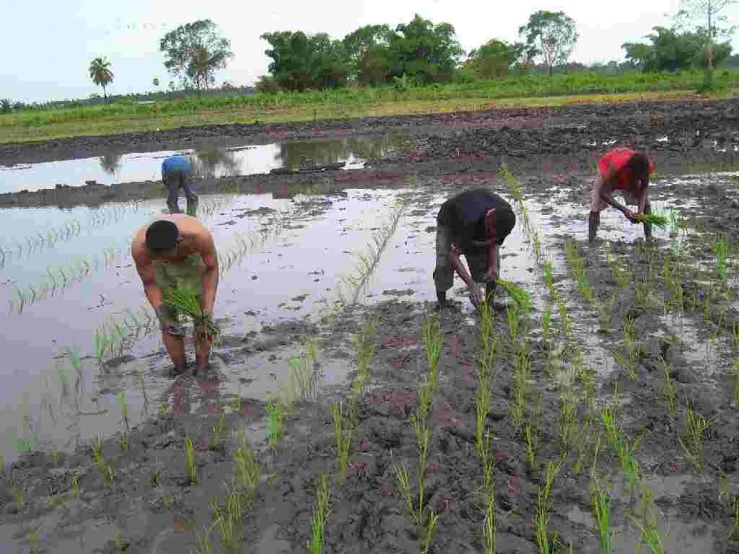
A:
x: 399, y: 168
x: 677, y: 117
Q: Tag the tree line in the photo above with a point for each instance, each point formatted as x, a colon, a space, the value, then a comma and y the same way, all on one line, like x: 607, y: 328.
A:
x: 421, y: 52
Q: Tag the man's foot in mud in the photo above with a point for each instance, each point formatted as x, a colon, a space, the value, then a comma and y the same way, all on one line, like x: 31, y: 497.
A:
x: 446, y: 306
x: 201, y: 366
x: 178, y: 369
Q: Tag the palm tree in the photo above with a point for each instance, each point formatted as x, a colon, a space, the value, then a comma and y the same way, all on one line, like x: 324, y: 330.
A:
x: 101, y: 74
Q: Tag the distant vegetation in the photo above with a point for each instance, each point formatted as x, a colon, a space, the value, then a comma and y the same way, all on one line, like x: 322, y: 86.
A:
x: 423, y: 60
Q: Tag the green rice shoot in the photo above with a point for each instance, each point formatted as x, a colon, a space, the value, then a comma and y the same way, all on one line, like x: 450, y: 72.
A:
x: 186, y: 301
x: 657, y: 220
x: 522, y: 297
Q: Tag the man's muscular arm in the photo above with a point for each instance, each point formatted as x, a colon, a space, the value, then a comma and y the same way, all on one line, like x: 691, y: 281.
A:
x: 207, y: 249
x: 147, y: 274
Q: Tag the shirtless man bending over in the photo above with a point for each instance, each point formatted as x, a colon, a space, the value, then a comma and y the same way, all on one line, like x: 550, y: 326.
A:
x: 177, y: 251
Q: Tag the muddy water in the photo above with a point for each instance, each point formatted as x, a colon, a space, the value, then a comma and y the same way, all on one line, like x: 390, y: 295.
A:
x: 298, y: 271
x: 238, y: 160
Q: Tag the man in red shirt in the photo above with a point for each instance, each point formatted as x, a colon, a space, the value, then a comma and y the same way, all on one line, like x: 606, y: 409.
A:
x: 627, y: 171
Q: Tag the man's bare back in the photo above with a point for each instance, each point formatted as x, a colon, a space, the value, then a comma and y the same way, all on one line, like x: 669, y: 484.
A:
x: 174, y: 239
x: 193, y: 234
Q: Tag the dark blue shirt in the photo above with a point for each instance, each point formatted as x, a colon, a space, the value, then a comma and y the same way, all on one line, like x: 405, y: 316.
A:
x: 175, y: 163
x: 465, y: 212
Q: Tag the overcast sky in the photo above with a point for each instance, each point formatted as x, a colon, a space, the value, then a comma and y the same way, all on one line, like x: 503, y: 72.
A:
x: 47, y: 45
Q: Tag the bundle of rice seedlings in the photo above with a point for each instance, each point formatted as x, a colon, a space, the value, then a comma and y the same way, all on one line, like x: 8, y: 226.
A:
x: 186, y: 301
x: 654, y: 219
x: 522, y: 297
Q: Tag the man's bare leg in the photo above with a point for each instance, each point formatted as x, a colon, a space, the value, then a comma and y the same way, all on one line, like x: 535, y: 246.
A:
x: 202, y: 354
x: 593, y: 224
x: 175, y: 346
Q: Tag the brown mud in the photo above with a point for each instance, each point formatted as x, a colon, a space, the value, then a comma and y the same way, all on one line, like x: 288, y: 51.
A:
x: 152, y: 503
x: 538, y: 140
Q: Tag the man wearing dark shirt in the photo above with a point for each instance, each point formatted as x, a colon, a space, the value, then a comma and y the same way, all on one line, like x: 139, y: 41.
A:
x: 473, y: 223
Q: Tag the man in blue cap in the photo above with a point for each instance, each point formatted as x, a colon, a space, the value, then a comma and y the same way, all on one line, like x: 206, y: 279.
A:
x: 176, y: 173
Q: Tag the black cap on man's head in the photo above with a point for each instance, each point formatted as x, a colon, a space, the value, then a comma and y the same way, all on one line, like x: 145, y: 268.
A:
x: 162, y: 236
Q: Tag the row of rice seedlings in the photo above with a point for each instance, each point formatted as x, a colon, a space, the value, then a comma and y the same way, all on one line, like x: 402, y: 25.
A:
x: 576, y: 263
x: 58, y: 279
x: 573, y: 432
x: 601, y: 503
x: 543, y: 506
x: 369, y: 260
x: 628, y: 358
x: 694, y: 433
x: 345, y: 424
x: 321, y: 512
x: 424, y: 518
x: 622, y: 446
x: 487, y: 358
x: 37, y: 242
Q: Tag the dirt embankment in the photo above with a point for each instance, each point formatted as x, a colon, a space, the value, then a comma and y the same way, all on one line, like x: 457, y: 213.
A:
x: 678, y: 135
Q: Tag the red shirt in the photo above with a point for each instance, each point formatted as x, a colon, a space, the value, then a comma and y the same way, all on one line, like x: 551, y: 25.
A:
x: 618, y: 157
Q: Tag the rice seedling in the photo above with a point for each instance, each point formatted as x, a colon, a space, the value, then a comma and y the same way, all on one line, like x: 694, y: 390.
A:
x: 190, y: 460
x: 343, y: 436
x: 601, y: 502
x: 32, y: 538
x: 693, y: 435
x: 275, y: 420
x: 218, y: 430
x: 522, y: 297
x: 203, y: 542
x: 734, y: 533
x: 543, y: 505
x: 568, y: 423
x: 186, y: 301
x: 624, y: 450
x: 648, y: 526
x: 489, y: 535
x: 576, y: 264
x: 667, y: 389
x: 321, y: 512
x: 247, y: 467
x: 532, y: 435
x: 19, y: 493
x: 432, y: 341
x: 119, y: 541
x: 549, y: 275
x: 228, y: 519
x: 720, y: 249
x: 364, y: 351
x: 658, y: 220
x: 521, y: 386
x: 75, y: 479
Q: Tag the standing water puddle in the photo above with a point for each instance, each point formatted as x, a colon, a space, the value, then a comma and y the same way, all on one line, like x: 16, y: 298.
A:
x: 240, y: 160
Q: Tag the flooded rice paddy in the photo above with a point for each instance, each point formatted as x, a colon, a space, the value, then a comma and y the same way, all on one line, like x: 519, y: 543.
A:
x: 80, y: 342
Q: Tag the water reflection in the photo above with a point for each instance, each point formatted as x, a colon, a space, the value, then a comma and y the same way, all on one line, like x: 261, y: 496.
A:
x: 110, y: 163
x: 209, y: 164
x: 295, y: 155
